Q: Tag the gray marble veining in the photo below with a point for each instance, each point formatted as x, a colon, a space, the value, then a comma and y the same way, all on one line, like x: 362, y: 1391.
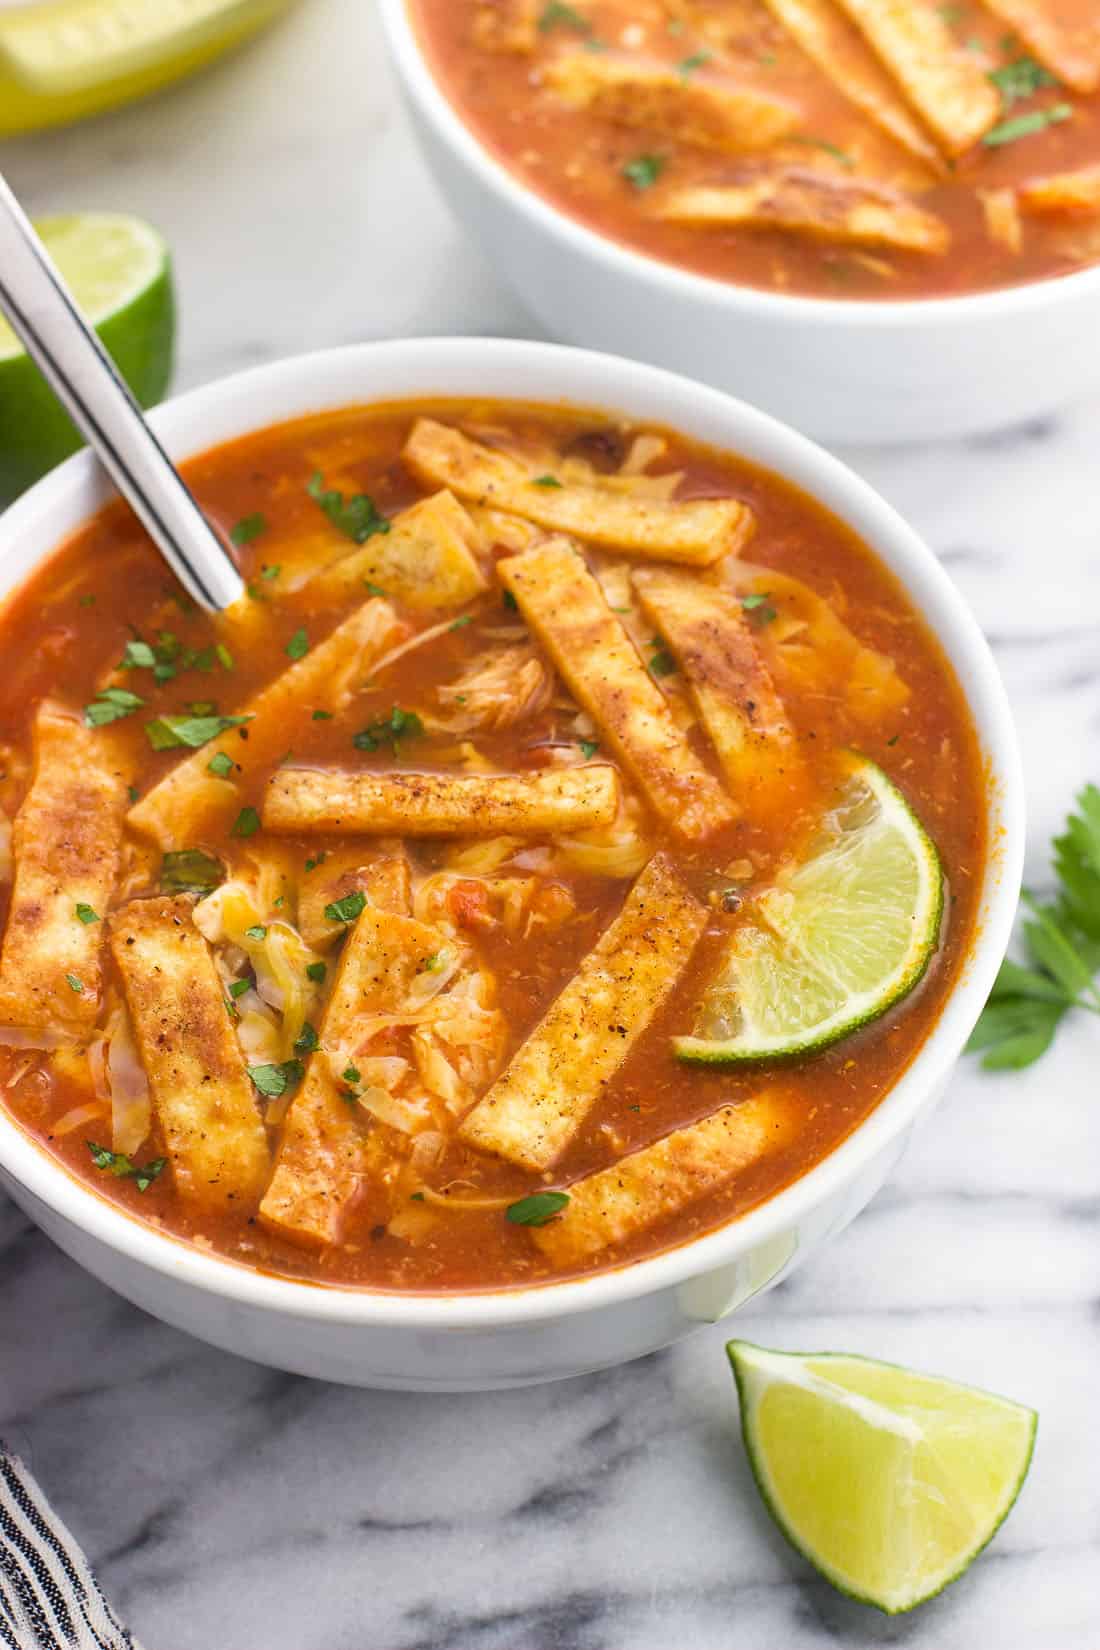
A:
x: 232, y: 1508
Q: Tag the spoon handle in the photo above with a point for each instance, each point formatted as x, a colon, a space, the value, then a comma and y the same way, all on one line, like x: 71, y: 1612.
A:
x: 78, y: 369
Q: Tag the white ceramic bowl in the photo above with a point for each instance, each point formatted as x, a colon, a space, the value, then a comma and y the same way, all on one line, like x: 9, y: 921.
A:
x: 841, y: 370
x: 503, y: 1339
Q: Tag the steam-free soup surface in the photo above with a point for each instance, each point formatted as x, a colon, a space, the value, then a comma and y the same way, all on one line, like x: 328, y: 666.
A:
x: 335, y: 988
x: 838, y: 148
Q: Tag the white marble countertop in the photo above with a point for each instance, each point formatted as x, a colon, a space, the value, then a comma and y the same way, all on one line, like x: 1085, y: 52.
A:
x: 231, y: 1508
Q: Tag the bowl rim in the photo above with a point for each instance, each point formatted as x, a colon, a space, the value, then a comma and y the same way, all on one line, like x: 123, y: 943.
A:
x: 328, y: 380
x: 618, y: 257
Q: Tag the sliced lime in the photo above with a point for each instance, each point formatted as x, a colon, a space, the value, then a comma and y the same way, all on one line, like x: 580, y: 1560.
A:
x: 119, y: 272
x: 835, y: 941
x: 889, y: 1482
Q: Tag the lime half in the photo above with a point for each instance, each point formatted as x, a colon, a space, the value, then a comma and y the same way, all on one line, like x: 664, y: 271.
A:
x: 835, y: 941
x: 889, y: 1482
x: 119, y: 272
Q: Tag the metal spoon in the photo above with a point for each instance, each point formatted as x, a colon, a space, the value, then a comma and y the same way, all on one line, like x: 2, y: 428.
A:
x: 78, y: 369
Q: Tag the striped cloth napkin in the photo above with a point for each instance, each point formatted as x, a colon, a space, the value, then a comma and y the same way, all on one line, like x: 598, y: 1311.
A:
x: 49, y: 1598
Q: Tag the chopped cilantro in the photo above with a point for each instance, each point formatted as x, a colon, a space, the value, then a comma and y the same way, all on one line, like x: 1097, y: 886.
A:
x: 271, y: 571
x: 190, y: 871
x: 201, y: 707
x: 256, y: 932
x: 462, y: 621
x: 400, y: 724
x: 86, y: 600
x: 312, y: 863
x: 537, y: 1209
x: 760, y: 607
x: 138, y: 656
x: 589, y: 747
x: 307, y: 1039
x: 559, y: 16
x: 356, y: 517
x: 118, y: 1164
x: 510, y: 601
x: 373, y: 589
x: 546, y: 481
x: 237, y: 988
x: 346, y: 909
x: 298, y: 645
x: 132, y: 792
x: 316, y: 972
x: 85, y: 913
x: 688, y: 65
x: 322, y: 716
x: 220, y: 764
x: 75, y: 983
x: 644, y: 170
x: 168, y: 732
x: 111, y: 705
x: 223, y: 655
x: 1021, y: 126
x: 662, y: 663
x: 248, y: 528
x: 247, y: 823
x: 1021, y: 78
x: 274, y: 1081
x: 350, y: 1074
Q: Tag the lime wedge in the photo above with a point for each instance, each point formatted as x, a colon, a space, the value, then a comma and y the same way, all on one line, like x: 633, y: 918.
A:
x: 119, y: 272
x: 889, y: 1482
x: 836, y: 940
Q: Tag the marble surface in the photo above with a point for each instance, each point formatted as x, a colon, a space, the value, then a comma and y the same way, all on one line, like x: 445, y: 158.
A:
x: 231, y: 1508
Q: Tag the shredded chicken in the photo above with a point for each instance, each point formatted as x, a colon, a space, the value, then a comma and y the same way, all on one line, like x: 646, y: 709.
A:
x: 498, y: 690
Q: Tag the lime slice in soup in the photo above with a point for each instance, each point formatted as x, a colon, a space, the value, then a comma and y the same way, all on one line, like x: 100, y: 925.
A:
x: 889, y: 1482
x: 835, y: 941
x: 118, y: 270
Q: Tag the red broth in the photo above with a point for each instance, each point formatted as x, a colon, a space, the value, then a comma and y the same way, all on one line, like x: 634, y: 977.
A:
x: 823, y: 198
x: 524, y: 913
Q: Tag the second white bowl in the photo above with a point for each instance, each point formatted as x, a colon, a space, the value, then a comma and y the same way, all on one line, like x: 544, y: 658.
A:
x: 841, y: 370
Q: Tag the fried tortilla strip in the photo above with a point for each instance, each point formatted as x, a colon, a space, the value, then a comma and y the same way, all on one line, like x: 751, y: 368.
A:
x: 537, y: 1105
x: 710, y: 636
x: 379, y: 870
x: 701, y: 110
x: 568, y: 613
x: 425, y: 560
x: 1059, y: 34
x: 943, y: 82
x: 65, y: 840
x: 840, y: 52
x: 202, y: 1095
x: 698, y: 531
x: 442, y: 804
x: 323, y: 1156
x: 1068, y: 194
x: 190, y: 802
x: 806, y: 203
x: 662, y: 1179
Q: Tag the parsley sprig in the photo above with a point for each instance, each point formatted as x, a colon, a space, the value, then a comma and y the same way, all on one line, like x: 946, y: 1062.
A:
x: 1062, y: 940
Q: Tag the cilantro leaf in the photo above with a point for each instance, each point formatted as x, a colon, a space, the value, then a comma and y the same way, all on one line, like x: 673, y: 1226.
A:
x: 85, y: 913
x: 559, y: 16
x: 111, y: 705
x: 1021, y: 78
x: 1037, y: 120
x: 168, y: 732
x: 400, y: 724
x: 190, y: 871
x: 119, y: 1165
x: 298, y: 645
x: 247, y: 823
x: 316, y: 972
x: 644, y: 170
x: 346, y: 909
x: 273, y: 1081
x: 537, y: 1209
x: 248, y: 528
x: 356, y: 516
